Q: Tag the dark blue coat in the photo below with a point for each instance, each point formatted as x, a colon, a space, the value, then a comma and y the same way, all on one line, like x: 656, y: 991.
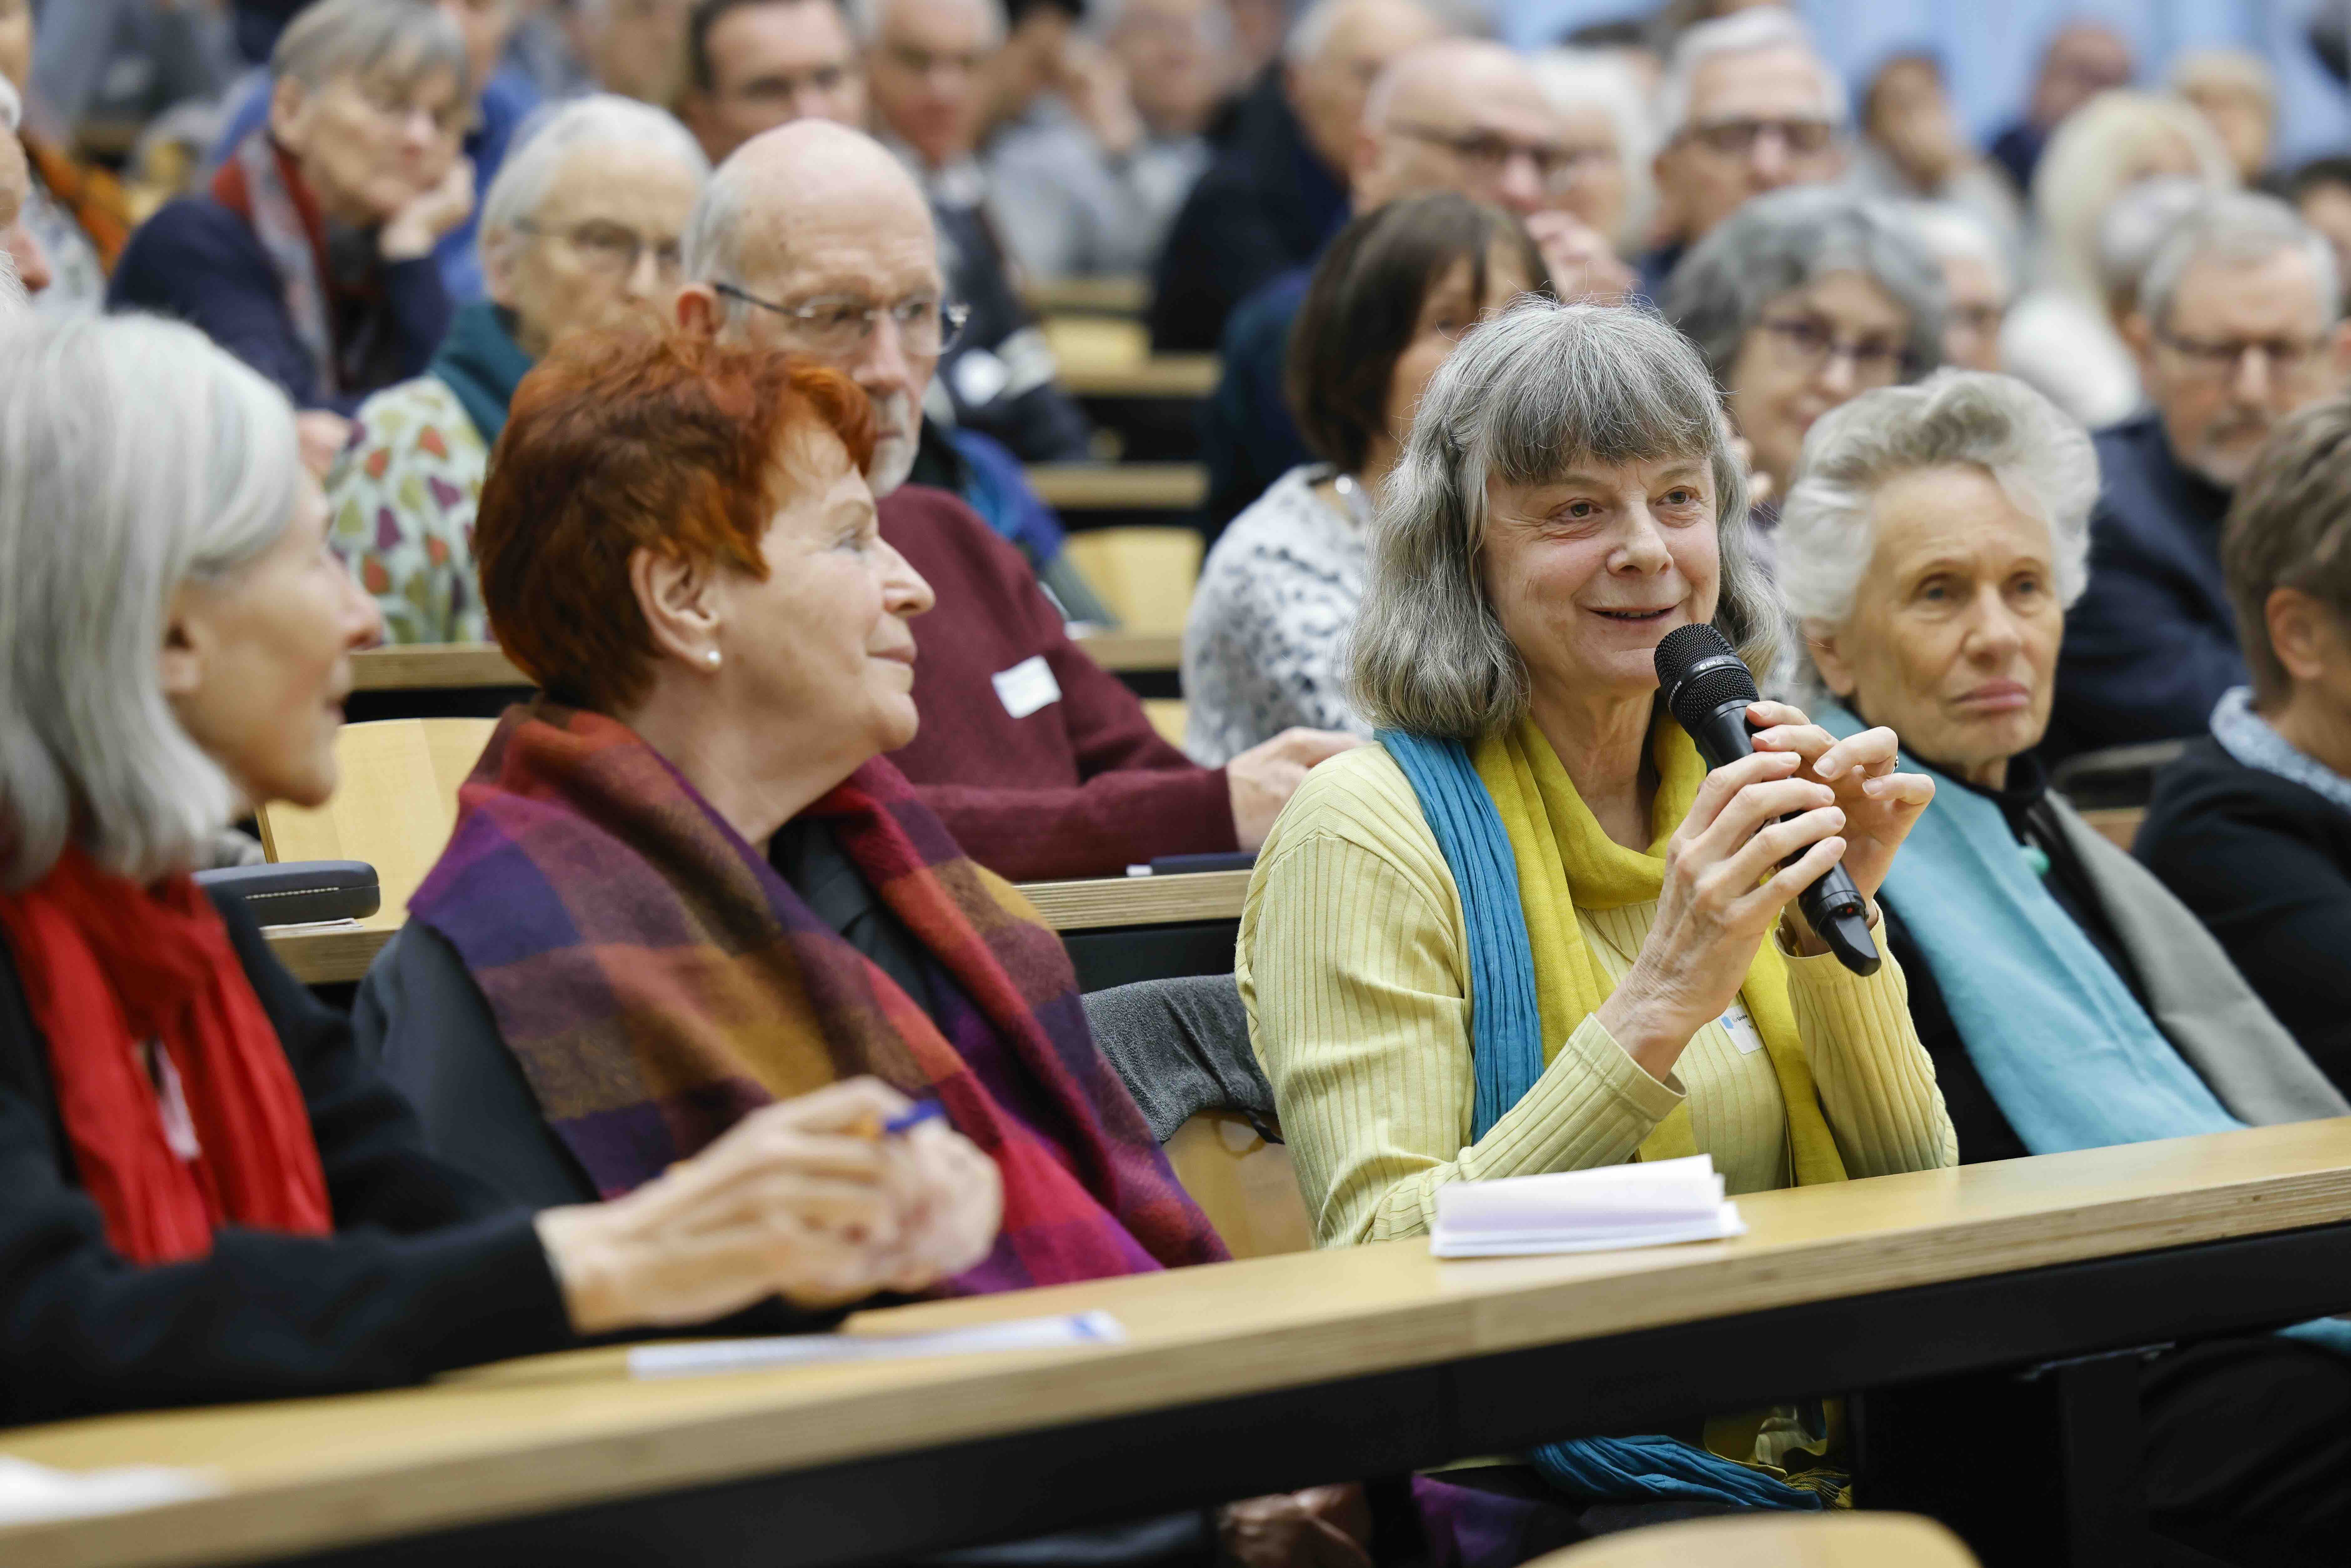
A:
x: 2152, y: 645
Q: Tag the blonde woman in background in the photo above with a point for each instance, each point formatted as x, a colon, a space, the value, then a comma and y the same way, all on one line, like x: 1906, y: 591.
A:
x: 2060, y: 336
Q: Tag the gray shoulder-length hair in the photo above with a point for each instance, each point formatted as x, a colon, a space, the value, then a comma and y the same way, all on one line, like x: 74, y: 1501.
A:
x: 134, y: 456
x: 1526, y: 399
x: 1791, y: 239
x: 2040, y: 456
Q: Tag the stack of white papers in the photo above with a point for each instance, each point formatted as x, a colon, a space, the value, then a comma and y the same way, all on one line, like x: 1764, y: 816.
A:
x: 690, y: 1358
x: 30, y: 1492
x: 1643, y: 1205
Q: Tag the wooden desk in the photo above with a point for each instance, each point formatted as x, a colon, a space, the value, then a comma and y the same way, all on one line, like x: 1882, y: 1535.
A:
x: 1089, y: 296
x: 1135, y: 653
x: 1178, y: 376
x: 433, y: 667
x: 341, y: 954
x: 1120, y: 487
x: 1243, y: 1378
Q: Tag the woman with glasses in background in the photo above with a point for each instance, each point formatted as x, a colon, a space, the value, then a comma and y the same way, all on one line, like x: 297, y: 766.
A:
x: 1800, y: 300
x: 310, y: 257
x: 580, y: 230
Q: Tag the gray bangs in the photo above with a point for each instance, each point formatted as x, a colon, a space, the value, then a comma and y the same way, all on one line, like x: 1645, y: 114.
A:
x: 1527, y: 399
x: 396, y: 45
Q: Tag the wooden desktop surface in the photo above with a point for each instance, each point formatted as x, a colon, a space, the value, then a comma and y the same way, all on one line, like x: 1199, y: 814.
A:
x: 534, y: 1437
x: 1119, y: 486
x: 450, y: 665
x: 1177, y: 376
x: 324, y: 956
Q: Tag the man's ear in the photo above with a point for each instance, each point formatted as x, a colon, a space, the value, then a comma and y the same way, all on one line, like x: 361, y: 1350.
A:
x: 1826, y: 646
x: 1363, y: 193
x: 697, y: 310
x: 678, y: 596
x: 1668, y: 224
x: 2338, y: 351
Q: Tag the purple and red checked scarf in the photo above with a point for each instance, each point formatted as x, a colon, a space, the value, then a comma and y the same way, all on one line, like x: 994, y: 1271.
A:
x: 658, y: 980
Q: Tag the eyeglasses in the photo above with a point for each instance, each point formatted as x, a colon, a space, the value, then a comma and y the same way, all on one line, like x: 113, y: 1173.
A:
x: 615, y: 249
x: 1737, y: 138
x: 454, y: 120
x: 1814, y: 344
x: 835, y: 326
x: 2287, y: 356
x: 1488, y: 152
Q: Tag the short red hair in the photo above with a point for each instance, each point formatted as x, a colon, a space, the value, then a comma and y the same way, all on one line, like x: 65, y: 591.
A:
x: 621, y: 442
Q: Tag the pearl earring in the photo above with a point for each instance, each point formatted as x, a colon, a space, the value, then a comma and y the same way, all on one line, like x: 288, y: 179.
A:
x: 711, y: 658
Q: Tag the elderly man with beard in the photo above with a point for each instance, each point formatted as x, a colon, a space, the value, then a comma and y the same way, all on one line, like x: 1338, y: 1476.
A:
x: 1041, y: 765
x: 2239, y: 326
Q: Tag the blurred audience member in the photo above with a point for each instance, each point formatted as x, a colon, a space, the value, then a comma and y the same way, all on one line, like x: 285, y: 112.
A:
x: 1040, y: 763
x: 1802, y: 300
x: 1278, y: 191
x: 580, y: 230
x: 310, y: 256
x: 1747, y: 105
x: 753, y: 65
x: 2062, y: 335
x: 1911, y: 146
x: 1978, y: 281
x: 2253, y: 828
x: 1087, y: 180
x: 928, y: 64
x: 2321, y: 192
x: 1389, y: 301
x: 633, y: 47
x: 1606, y: 142
x: 502, y: 100
x: 126, y: 62
x: 73, y: 212
x: 2239, y: 326
x: 28, y: 260
x: 2082, y: 60
x: 1456, y: 114
x: 2233, y: 90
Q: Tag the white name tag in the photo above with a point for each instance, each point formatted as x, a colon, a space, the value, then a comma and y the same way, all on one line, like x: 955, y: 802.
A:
x: 1027, y: 686
x: 1741, y: 1029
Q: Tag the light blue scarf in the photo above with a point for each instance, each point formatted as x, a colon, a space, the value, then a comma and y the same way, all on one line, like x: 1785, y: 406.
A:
x: 2069, y: 1054
x: 1506, y: 1046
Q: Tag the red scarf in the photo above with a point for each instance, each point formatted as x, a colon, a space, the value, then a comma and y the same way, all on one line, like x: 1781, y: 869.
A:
x: 108, y: 967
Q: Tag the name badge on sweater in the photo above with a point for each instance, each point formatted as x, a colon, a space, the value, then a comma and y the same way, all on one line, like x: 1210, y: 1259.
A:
x: 1741, y: 1029
x: 1027, y: 686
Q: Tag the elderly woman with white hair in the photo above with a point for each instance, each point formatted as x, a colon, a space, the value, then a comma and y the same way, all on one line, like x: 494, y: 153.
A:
x: 1929, y: 549
x: 211, y: 1194
x: 1929, y: 546
x: 581, y: 231
x: 310, y: 255
x: 1801, y: 299
x: 1529, y: 931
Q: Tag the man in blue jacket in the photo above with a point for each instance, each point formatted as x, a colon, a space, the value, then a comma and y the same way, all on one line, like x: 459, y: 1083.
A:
x: 2239, y: 326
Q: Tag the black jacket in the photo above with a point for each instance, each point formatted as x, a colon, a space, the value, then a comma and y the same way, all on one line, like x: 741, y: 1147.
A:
x: 428, y: 1269
x: 2152, y: 644
x: 999, y: 372
x: 2266, y: 864
x: 1266, y: 204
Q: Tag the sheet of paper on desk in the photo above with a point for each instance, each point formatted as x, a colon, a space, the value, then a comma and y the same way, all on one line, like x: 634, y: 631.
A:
x: 694, y: 1358
x: 30, y: 1493
x: 1645, y: 1205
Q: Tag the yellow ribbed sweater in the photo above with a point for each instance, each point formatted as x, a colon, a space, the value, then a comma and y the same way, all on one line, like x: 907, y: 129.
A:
x: 1353, y: 961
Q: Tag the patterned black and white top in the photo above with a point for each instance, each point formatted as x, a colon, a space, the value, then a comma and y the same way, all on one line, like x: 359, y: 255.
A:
x: 1263, y: 646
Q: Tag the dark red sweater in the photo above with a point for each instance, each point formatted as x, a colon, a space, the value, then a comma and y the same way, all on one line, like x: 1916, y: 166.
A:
x: 1080, y: 786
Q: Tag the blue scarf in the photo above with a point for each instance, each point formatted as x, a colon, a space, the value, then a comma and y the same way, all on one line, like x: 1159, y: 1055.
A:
x: 2070, y: 1056
x: 1506, y: 1046
x: 481, y: 362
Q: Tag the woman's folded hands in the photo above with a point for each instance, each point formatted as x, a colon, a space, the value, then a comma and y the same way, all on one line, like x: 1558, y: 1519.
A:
x: 808, y: 1199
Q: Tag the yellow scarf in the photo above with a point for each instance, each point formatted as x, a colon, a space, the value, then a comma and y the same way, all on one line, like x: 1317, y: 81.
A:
x: 1565, y: 859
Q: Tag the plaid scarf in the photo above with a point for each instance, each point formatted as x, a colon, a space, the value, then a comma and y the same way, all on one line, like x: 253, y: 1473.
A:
x: 658, y: 980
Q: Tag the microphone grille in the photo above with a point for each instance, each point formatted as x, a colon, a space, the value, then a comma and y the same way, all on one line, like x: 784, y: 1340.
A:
x: 1699, y: 671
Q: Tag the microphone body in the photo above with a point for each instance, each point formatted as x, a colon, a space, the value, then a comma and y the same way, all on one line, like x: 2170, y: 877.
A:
x: 1707, y: 688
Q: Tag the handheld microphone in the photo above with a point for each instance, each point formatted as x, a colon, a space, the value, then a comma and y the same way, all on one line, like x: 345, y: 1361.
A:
x: 1707, y: 688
